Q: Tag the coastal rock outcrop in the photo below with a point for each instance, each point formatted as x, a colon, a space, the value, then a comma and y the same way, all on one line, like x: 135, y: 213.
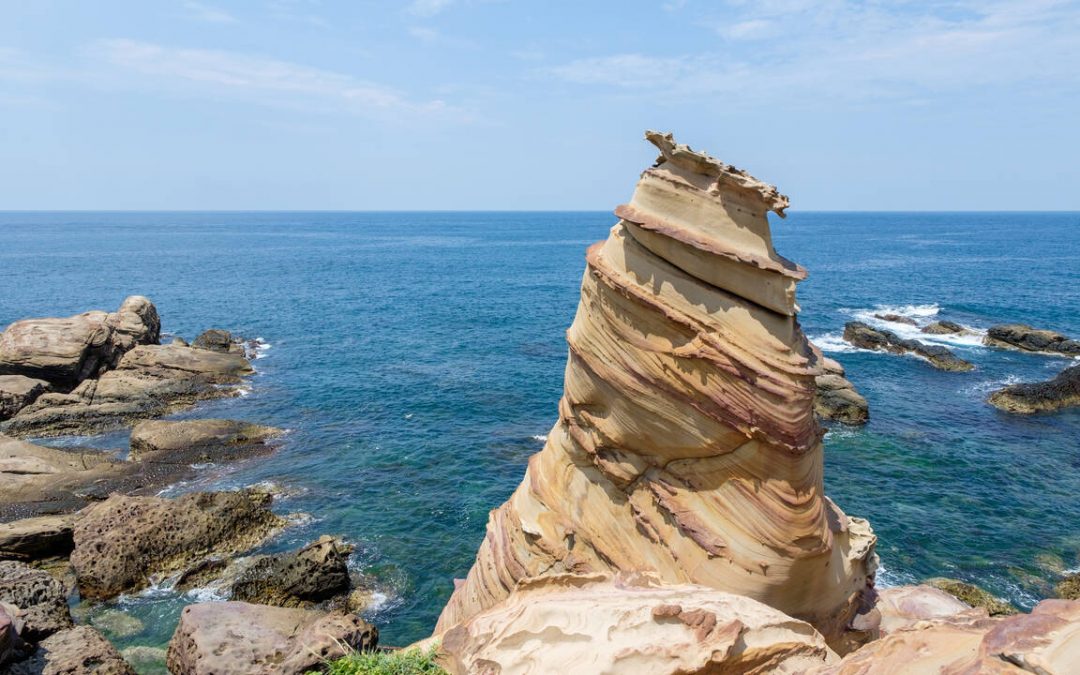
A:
x: 76, y: 651
x: 123, y: 543
x: 1028, y: 339
x: 70, y: 350
x: 199, y: 440
x: 972, y: 595
x: 903, y: 607
x: 149, y: 381
x: 897, y: 318
x: 836, y: 398
x: 37, y: 538
x: 865, y: 337
x: 41, y: 600
x: 686, y: 444
x: 313, y: 574
x: 945, y: 328
x: 17, y: 392
x: 1031, y: 397
x: 629, y: 624
x: 237, y: 638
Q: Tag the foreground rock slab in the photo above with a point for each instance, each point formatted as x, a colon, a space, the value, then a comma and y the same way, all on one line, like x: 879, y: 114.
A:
x: 686, y: 443
x: 237, y: 638
x: 904, y: 607
x: 67, y: 351
x: 123, y: 543
x: 972, y: 595
x: 837, y: 398
x: 149, y: 381
x: 37, y: 538
x: 1028, y: 339
x: 201, y: 440
x: 77, y: 651
x: 1032, y: 397
x: 865, y: 337
x: 629, y: 624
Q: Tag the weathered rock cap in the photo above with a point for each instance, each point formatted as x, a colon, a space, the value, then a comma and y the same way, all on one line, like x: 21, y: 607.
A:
x: 66, y: 351
x: 1032, y: 397
x: 17, y: 392
x: 238, y: 638
x: 629, y: 623
x: 199, y: 440
x: 1028, y: 339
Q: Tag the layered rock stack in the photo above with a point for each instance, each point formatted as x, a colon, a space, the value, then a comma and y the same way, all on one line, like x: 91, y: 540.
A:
x: 686, y: 444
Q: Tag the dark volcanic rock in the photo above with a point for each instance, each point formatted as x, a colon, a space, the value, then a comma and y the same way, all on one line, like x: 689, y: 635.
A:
x: 315, y: 573
x: 215, y: 340
x: 202, y: 440
x: 944, y: 328
x: 865, y: 337
x: 41, y: 599
x: 67, y: 351
x: 17, y: 392
x: 1026, y: 338
x: 121, y: 543
x: 1031, y: 397
x: 77, y: 651
x: 149, y: 381
x: 237, y: 638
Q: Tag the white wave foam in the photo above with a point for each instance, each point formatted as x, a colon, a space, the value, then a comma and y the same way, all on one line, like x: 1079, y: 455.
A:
x: 540, y: 438
x: 834, y: 343
x: 379, y: 601
x: 921, y: 314
x: 261, y: 347
x: 207, y: 594
x: 243, y: 392
x: 981, y: 389
x: 910, y: 311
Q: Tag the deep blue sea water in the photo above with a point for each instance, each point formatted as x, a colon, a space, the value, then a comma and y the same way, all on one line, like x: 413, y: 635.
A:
x: 418, y: 359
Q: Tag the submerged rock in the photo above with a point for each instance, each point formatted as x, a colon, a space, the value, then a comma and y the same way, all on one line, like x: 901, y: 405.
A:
x: 945, y: 328
x: 149, y: 381
x: 67, y: 351
x: 836, y: 398
x: 630, y: 624
x: 41, y: 600
x: 315, y: 573
x: 123, y: 543
x: 865, y: 337
x: 972, y: 595
x: 237, y: 638
x: 1031, y: 397
x: 201, y: 440
x: 17, y: 392
x: 77, y: 651
x: 1028, y: 339
x: 687, y: 416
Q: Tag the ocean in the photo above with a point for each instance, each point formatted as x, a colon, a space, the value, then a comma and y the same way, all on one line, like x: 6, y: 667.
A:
x: 417, y: 360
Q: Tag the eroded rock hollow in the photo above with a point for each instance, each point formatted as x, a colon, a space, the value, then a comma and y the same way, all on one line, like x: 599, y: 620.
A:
x: 686, y: 444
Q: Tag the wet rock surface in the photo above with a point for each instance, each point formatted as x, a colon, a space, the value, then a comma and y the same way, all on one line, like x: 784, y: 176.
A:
x: 1032, y: 397
x: 836, y: 398
x: 945, y: 328
x: 123, y: 543
x: 865, y: 337
x: 1028, y: 339
x: 238, y: 638
x: 200, y: 440
x: 313, y: 574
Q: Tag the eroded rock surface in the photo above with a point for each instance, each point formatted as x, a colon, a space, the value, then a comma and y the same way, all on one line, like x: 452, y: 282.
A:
x: 945, y: 328
x: 67, y: 351
x: 17, y: 392
x: 313, y: 574
x: 686, y: 443
x: 237, y: 638
x: 972, y: 595
x: 76, y: 651
x: 200, y: 440
x: 38, y: 537
x: 836, y: 398
x: 630, y: 624
x: 1031, y: 397
x: 40, y: 598
x: 904, y: 607
x: 865, y: 337
x: 149, y: 381
x: 123, y: 543
x: 1028, y: 339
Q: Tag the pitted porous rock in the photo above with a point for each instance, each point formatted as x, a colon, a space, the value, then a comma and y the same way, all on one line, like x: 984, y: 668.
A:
x: 41, y: 599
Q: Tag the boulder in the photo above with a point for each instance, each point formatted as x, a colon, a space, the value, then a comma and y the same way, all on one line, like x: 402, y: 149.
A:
x: 836, y: 399
x: 1069, y: 587
x: 897, y: 318
x: 1028, y: 339
x: 17, y: 392
x: 67, y: 351
x: 76, y: 651
x: 124, y: 543
x: 149, y: 381
x: 972, y: 596
x: 945, y: 328
x: 40, y: 598
x: 202, y: 440
x: 315, y: 573
x: 629, y: 623
x: 37, y: 538
x: 215, y: 340
x: 903, y: 607
x: 1031, y: 397
x: 237, y: 638
x: 865, y: 337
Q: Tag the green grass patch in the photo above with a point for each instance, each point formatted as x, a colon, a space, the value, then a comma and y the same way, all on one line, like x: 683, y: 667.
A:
x: 401, y: 662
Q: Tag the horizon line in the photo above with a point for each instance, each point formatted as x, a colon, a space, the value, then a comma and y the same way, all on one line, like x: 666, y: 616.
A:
x: 238, y: 211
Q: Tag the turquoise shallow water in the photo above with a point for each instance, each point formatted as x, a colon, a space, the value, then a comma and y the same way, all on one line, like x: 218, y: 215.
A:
x: 418, y: 357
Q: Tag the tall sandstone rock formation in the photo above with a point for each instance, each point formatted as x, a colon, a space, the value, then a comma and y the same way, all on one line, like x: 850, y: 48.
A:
x: 686, y: 443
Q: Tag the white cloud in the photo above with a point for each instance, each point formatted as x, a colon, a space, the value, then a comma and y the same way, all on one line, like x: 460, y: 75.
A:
x: 263, y: 79
x: 428, y: 8
x: 207, y: 13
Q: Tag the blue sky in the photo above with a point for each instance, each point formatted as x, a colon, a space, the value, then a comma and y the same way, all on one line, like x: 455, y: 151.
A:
x: 488, y: 104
